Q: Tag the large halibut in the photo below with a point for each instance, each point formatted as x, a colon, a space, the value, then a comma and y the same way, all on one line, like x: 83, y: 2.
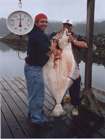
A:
x: 60, y: 71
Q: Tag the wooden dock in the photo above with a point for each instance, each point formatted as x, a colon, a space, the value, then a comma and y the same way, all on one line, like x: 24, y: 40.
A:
x: 15, y: 123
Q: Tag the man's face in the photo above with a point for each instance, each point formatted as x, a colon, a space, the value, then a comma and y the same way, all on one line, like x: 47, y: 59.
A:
x: 42, y: 23
x: 68, y: 26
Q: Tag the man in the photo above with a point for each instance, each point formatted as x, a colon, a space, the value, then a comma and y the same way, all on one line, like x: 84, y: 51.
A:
x: 39, y: 48
x: 77, y: 43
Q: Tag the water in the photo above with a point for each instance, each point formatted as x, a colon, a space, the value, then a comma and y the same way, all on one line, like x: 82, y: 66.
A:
x: 12, y: 66
x: 98, y: 75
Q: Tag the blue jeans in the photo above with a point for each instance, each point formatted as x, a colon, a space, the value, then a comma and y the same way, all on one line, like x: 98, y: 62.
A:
x: 35, y: 87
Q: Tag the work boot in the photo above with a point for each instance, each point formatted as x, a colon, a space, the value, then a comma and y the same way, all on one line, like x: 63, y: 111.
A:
x: 75, y: 111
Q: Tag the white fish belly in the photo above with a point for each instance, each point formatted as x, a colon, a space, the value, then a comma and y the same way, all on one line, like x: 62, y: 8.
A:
x: 58, y: 73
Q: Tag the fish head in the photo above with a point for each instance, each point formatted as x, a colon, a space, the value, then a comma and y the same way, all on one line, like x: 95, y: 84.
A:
x: 63, y: 37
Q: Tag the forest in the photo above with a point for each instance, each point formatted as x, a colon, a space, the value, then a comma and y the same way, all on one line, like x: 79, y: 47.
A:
x: 80, y: 27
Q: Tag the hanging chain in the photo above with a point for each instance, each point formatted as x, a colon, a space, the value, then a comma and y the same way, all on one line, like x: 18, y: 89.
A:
x: 20, y: 4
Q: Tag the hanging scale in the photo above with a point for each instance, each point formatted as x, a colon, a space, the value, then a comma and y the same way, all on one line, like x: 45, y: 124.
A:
x: 20, y: 22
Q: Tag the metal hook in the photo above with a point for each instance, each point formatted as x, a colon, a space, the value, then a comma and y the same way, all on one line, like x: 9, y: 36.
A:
x: 20, y: 4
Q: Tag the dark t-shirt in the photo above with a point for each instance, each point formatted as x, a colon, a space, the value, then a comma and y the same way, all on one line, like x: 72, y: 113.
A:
x: 38, y: 46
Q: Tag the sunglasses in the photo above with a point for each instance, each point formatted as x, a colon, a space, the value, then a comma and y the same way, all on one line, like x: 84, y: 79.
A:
x: 66, y: 24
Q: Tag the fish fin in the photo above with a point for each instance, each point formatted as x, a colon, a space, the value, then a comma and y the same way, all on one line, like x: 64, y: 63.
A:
x: 57, y: 111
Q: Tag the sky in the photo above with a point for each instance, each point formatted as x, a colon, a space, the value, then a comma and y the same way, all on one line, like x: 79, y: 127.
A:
x: 56, y: 10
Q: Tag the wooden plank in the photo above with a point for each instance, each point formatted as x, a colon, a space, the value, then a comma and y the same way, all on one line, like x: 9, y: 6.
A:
x: 16, y: 82
x: 96, y: 135
x: 22, y: 96
x: 18, y: 123
x: 56, y: 133
x: 5, y: 130
x: 86, y: 134
x: 22, y: 78
x: 22, y: 120
x: 95, y: 90
x: 23, y: 109
x: 21, y: 81
x: 16, y: 129
x: 65, y: 125
x: 48, y: 104
x: 1, y: 87
x: 85, y: 126
x: 19, y: 85
x: 24, y: 90
x: 13, y: 86
x: 6, y: 85
x: 82, y: 128
x: 1, y: 80
x: 15, y: 110
x: 53, y: 133
x: 48, y: 135
x: 12, y: 122
x: 48, y: 92
x: 17, y: 90
x: 89, y: 121
x: 50, y: 99
x: 22, y: 106
x: 101, y: 131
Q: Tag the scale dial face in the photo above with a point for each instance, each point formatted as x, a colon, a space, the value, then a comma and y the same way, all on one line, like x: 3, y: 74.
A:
x: 20, y: 22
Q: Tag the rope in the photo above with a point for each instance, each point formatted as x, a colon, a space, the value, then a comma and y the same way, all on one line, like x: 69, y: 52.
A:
x: 20, y: 57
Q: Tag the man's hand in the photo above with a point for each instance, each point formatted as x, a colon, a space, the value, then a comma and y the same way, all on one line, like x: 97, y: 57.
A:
x: 52, y: 47
x: 71, y: 39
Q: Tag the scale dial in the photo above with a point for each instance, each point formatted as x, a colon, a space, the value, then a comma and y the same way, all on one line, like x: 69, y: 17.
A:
x: 20, y: 22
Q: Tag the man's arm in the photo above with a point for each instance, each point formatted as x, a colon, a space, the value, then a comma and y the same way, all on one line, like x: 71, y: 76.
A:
x: 79, y: 43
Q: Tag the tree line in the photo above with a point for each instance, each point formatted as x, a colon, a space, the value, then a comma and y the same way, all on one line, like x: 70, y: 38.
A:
x: 80, y: 28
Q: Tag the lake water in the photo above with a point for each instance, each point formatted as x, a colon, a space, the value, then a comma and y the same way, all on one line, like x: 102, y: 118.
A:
x: 12, y: 66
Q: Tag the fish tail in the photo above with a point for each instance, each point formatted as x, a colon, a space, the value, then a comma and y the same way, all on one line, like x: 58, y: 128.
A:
x: 57, y: 111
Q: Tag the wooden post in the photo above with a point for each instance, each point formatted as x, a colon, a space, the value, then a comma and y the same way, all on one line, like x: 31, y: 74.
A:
x: 89, y: 38
x: 89, y: 97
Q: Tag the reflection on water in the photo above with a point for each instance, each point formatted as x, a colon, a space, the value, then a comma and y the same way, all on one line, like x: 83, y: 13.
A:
x: 98, y: 75
x: 4, y: 47
x: 99, y: 61
x: 12, y: 66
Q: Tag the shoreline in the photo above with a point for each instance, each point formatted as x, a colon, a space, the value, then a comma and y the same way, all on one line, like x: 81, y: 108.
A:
x: 20, y: 43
